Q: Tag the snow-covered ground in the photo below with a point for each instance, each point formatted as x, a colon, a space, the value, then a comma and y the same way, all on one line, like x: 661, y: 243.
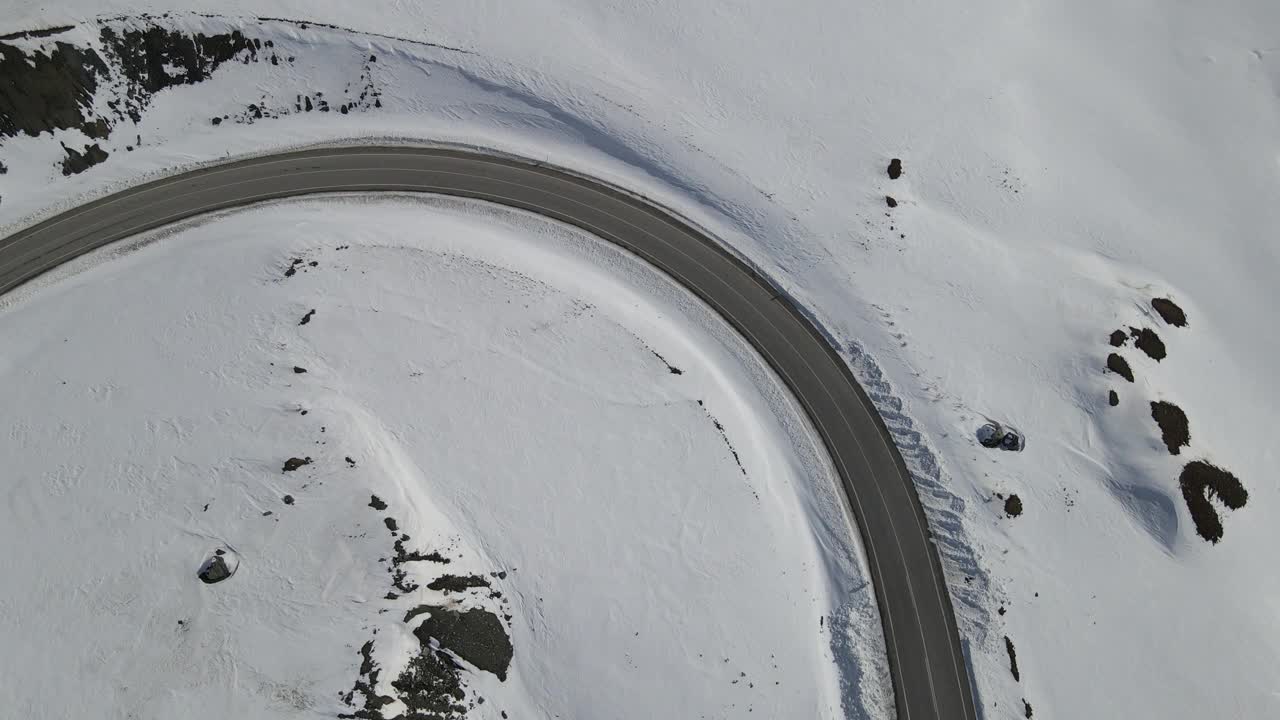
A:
x: 643, y: 505
x: 1064, y: 164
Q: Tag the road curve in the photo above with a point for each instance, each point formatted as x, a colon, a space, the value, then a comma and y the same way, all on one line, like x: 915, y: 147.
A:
x: 930, y: 677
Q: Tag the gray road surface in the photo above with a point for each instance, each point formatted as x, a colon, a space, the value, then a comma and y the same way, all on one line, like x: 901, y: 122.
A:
x: 930, y: 677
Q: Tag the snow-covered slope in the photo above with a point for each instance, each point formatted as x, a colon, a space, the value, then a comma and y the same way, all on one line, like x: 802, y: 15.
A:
x: 1064, y: 164
x: 567, y: 441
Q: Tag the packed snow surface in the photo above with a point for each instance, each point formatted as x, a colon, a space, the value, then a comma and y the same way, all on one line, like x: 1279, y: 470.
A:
x: 1066, y: 169
x: 297, y: 387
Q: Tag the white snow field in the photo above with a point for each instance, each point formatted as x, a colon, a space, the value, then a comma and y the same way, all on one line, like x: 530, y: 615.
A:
x: 524, y: 399
x: 1064, y: 165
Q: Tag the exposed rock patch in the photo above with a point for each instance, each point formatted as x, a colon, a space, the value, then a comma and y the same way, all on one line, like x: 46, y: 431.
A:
x: 477, y: 636
x: 1173, y: 425
x: 1119, y: 366
x: 1148, y: 342
x: 1202, y: 483
x: 1169, y: 312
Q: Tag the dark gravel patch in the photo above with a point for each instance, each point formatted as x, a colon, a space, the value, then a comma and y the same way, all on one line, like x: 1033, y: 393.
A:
x: 1013, y: 658
x: 1173, y: 425
x: 431, y: 688
x: 1149, y: 342
x: 1169, y: 312
x: 307, y: 318
x: 1201, y: 483
x: 376, y: 503
x: 477, y: 636
x: 457, y: 583
x: 391, y: 524
x: 1026, y: 708
x: 1119, y: 366
x: 895, y: 169
x: 1118, y: 338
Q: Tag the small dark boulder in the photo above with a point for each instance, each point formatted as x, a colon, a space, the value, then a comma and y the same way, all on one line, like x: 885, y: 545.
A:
x: 994, y: 435
x: 1118, y: 338
x: 219, y: 566
x: 294, y: 463
x: 890, y: 201
x: 299, y: 370
x: 895, y: 169
x: 1013, y: 506
x: 1113, y: 398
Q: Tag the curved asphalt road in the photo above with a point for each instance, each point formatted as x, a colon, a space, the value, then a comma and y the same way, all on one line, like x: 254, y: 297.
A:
x: 930, y: 679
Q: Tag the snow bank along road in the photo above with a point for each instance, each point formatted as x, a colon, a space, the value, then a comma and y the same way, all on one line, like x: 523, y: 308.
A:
x: 925, y: 653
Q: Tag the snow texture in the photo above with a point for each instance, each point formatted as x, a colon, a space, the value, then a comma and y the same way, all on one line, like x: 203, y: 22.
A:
x: 658, y: 543
x: 1063, y: 165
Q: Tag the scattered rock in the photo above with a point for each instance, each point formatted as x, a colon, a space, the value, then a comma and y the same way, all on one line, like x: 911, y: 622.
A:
x: 47, y: 91
x: 888, y: 200
x: 350, y: 462
x: 376, y: 503
x: 1026, y: 708
x: 1201, y: 483
x: 298, y: 370
x: 994, y: 435
x: 366, y: 684
x: 477, y: 636
x: 895, y: 169
x: 1113, y: 398
x: 307, y: 318
x: 1013, y: 506
x: 78, y: 162
x: 288, y: 499
x: 1013, y: 658
x: 219, y: 566
x: 1148, y: 342
x: 1169, y: 312
x: 1118, y: 338
x: 294, y: 463
x: 1119, y: 366
x: 1173, y: 425
x: 391, y: 524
